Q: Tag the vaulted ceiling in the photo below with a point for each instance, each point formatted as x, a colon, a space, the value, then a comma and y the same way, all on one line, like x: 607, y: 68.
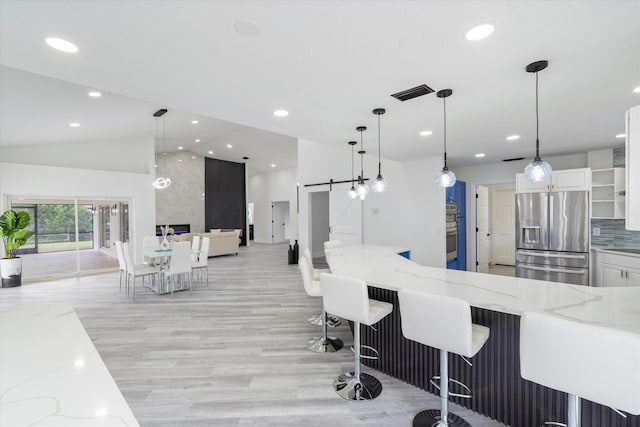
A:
x: 329, y: 63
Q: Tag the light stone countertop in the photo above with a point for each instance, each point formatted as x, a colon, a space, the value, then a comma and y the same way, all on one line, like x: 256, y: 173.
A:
x: 52, y: 375
x: 614, y: 251
x: 380, y: 266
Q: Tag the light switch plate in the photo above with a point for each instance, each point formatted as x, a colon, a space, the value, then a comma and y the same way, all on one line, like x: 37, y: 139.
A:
x: 374, y: 211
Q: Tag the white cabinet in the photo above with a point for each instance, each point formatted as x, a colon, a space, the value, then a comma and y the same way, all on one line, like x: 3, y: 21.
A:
x: 561, y: 180
x: 632, y: 160
x: 607, y: 193
x: 617, y: 270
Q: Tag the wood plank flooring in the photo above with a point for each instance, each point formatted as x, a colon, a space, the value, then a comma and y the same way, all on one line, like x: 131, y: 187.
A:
x: 232, y: 354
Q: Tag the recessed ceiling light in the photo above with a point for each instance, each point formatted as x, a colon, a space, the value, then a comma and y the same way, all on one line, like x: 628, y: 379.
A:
x: 155, y: 166
x: 193, y: 157
x: 245, y: 28
x: 281, y: 113
x: 513, y: 137
x: 479, y: 32
x: 180, y: 148
x: 179, y: 160
x: 426, y: 133
x: 621, y: 135
x: 95, y: 94
x: 229, y: 146
x: 636, y: 90
x: 74, y: 124
x: 194, y: 122
x: 197, y: 140
x: 273, y: 165
x: 210, y: 152
x: 61, y: 45
x: 480, y: 155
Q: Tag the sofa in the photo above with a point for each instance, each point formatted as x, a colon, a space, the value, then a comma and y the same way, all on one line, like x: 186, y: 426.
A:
x: 221, y: 242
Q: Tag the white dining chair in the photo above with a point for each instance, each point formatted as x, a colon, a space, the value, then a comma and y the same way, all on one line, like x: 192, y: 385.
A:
x: 122, y: 264
x: 202, y: 262
x: 195, y: 247
x: 135, y: 271
x: 180, y: 264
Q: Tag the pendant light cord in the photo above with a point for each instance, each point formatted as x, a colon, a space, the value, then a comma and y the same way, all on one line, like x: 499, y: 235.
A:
x: 379, y: 155
x: 352, y: 166
x: 537, y: 122
x: 164, y: 146
x: 444, y: 103
x: 361, y: 159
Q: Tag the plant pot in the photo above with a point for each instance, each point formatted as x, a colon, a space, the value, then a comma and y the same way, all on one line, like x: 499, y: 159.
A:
x: 11, y: 272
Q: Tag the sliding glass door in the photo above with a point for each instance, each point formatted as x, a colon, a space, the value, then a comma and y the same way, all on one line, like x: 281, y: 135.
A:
x: 72, y: 236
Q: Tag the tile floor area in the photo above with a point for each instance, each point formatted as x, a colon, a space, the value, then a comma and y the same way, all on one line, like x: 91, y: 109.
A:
x: 232, y: 354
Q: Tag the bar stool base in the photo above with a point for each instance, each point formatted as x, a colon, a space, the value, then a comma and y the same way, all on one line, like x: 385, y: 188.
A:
x: 324, y: 345
x: 431, y: 418
x: 345, y: 385
x: 333, y: 321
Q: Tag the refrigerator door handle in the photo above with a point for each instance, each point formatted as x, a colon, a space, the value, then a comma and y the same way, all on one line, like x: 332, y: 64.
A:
x: 554, y: 270
x: 552, y: 255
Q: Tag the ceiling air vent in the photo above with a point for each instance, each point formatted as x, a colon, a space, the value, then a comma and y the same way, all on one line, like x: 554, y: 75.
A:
x: 515, y: 159
x: 414, y: 92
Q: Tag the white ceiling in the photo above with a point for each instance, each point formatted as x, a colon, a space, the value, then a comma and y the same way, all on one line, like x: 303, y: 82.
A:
x: 330, y: 62
x: 35, y: 110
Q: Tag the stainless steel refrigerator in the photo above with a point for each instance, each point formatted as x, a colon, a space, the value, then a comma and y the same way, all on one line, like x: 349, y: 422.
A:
x: 552, y: 236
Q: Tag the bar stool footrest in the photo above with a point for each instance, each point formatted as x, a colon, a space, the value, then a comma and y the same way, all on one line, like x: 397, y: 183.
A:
x: 431, y: 418
x: 333, y: 321
x: 348, y: 387
x: 455, y: 382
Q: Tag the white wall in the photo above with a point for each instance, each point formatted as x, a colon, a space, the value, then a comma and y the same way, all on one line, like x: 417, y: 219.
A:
x: 409, y: 214
x: 73, y: 181
x: 121, y: 156
x: 277, y: 186
x: 504, y: 172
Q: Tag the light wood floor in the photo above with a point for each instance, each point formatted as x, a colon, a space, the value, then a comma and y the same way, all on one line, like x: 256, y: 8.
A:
x: 233, y: 353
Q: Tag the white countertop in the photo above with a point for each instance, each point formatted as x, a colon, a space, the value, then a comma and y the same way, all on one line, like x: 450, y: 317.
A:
x: 380, y: 266
x: 614, y: 251
x: 52, y: 375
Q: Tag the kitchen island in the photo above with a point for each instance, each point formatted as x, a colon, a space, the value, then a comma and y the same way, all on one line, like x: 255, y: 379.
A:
x: 52, y: 375
x: 497, y: 301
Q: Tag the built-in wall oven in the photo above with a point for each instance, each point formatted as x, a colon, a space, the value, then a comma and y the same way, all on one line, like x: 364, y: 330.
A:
x: 451, y: 212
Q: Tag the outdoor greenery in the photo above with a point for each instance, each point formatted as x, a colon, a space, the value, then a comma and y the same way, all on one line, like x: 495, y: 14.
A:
x: 12, y: 230
x: 56, y: 227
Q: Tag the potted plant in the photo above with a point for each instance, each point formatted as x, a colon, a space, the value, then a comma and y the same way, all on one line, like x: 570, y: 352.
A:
x: 14, y: 235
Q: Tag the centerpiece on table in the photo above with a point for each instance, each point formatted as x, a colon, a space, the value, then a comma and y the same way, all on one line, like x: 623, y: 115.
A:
x: 166, y: 231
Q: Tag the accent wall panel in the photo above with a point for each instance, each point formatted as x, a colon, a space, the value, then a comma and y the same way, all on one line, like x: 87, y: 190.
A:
x: 225, y: 202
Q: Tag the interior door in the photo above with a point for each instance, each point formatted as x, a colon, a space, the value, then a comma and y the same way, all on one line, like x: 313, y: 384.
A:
x: 277, y: 223
x: 483, y: 237
x: 503, y: 220
x: 345, y: 217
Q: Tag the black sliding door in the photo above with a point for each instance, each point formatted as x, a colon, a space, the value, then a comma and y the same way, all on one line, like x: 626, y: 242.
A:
x: 225, y: 203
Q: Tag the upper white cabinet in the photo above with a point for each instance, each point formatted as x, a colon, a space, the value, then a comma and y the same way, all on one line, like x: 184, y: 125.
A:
x: 632, y: 159
x: 561, y: 180
x: 607, y: 193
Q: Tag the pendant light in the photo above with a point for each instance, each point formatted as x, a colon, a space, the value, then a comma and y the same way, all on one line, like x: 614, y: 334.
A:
x: 446, y: 177
x: 538, y: 169
x: 160, y: 181
x: 380, y: 184
x: 352, y: 191
x: 362, y: 188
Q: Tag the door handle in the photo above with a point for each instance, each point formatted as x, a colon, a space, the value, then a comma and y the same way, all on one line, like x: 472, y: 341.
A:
x: 627, y: 274
x: 553, y: 270
x: 622, y: 273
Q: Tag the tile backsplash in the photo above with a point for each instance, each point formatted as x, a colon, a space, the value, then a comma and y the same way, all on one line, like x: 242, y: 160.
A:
x: 613, y: 234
